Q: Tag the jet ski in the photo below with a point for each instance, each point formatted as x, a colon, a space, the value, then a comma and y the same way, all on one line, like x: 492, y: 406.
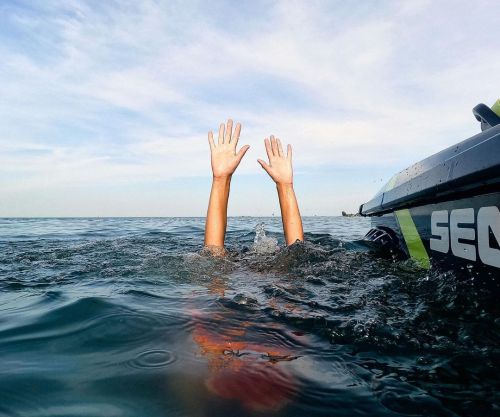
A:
x: 443, y: 212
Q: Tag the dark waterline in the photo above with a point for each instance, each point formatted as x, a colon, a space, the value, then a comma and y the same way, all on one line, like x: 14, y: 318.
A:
x: 127, y: 317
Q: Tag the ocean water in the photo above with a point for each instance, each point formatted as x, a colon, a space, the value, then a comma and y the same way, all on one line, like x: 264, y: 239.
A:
x: 128, y: 317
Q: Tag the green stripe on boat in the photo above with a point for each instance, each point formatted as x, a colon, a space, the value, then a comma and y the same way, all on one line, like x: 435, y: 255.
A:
x: 412, y: 238
x: 496, y: 107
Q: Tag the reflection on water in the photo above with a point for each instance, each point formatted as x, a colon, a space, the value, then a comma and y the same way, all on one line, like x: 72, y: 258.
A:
x: 128, y: 317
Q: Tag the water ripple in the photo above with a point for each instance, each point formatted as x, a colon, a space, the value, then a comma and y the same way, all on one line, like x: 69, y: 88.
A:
x: 153, y: 359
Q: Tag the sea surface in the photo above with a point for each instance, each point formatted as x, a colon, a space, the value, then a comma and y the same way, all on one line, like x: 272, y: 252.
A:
x: 129, y: 317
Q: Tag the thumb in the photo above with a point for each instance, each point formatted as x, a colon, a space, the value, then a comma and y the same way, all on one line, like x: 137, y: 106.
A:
x: 264, y: 165
x: 242, y: 152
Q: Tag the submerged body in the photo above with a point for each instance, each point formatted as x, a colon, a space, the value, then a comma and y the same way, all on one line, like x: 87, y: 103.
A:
x: 237, y: 371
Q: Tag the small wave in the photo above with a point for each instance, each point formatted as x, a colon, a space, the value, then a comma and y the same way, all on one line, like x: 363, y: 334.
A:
x: 15, y: 400
x: 92, y: 322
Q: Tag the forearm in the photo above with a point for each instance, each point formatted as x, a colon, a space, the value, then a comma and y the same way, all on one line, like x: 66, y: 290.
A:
x: 215, y: 228
x: 290, y: 215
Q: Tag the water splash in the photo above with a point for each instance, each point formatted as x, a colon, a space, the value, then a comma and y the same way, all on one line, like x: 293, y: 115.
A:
x: 263, y: 244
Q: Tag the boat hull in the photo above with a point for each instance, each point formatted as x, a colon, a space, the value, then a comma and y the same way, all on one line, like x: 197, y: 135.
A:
x: 462, y: 234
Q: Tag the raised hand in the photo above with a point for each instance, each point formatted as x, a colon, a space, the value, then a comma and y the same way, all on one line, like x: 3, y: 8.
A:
x: 280, y: 165
x: 280, y: 170
x: 225, y: 159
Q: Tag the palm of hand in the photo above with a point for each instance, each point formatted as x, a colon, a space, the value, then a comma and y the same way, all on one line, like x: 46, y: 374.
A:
x: 280, y: 165
x: 224, y: 157
x: 281, y: 170
x: 224, y: 160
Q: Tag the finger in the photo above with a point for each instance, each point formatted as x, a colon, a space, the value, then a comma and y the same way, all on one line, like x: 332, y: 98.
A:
x: 236, y: 135
x: 268, y: 149
x: 280, y: 148
x: 242, y: 152
x: 266, y: 167
x: 229, y: 131
x: 211, y: 141
x: 274, y: 146
x: 289, y: 153
x: 220, y: 140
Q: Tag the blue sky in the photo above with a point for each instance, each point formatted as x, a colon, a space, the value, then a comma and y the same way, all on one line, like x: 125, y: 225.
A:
x: 105, y: 106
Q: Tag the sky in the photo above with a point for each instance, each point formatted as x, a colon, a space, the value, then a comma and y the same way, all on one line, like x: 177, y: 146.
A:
x: 105, y: 105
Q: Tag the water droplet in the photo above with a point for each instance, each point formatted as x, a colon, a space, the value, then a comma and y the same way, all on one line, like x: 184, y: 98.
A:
x: 262, y: 243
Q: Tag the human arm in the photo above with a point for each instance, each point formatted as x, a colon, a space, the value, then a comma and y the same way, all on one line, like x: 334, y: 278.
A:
x: 280, y: 170
x: 225, y: 160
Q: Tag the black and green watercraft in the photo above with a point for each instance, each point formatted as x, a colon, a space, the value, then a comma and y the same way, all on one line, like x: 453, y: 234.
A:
x: 444, y: 210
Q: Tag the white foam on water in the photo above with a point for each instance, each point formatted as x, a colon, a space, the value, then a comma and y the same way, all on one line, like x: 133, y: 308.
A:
x: 262, y: 243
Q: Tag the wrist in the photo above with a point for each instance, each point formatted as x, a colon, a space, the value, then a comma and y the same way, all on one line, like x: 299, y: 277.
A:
x: 221, y: 178
x: 284, y: 185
